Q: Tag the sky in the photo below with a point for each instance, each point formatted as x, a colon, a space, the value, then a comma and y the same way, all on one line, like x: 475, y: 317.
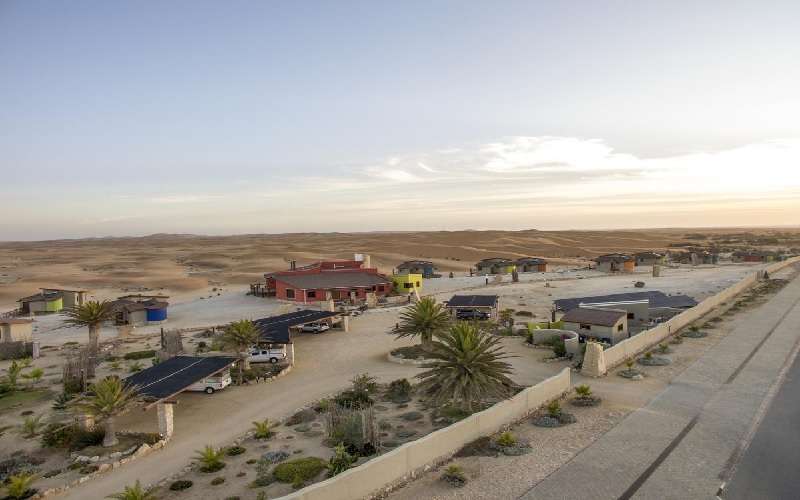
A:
x: 133, y: 118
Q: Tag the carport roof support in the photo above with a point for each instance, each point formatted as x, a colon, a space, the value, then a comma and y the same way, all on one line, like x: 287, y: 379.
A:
x: 170, y: 377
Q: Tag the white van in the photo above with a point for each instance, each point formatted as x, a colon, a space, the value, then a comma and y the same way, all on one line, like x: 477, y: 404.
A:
x: 271, y: 353
x: 213, y: 383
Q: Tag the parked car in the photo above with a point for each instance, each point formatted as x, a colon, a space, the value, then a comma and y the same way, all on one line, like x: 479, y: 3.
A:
x: 268, y: 354
x: 315, y: 327
x: 211, y: 384
x: 472, y: 314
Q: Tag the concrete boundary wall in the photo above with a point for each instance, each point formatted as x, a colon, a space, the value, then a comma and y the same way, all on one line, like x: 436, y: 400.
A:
x: 635, y: 345
x: 406, y: 461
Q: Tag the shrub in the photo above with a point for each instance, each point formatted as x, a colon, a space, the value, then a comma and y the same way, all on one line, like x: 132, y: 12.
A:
x: 663, y: 348
x: 61, y: 401
x: 19, y: 485
x: 298, y: 471
x: 559, y: 349
x: 180, y: 485
x: 554, y: 408
x: 583, y: 391
x: 454, y: 475
x: 399, y: 391
x: 506, y: 439
x: 322, y: 405
x: 135, y: 367
x: 210, y: 459
x: 340, y: 461
x: 232, y: 451
x: 31, y: 426
x: 648, y: 355
x: 217, y: 481
x: 629, y: 364
x: 88, y: 469
x: 140, y: 355
x: 263, y: 430
x: 359, y: 396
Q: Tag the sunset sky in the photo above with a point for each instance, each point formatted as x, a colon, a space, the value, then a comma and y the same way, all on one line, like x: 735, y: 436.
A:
x: 132, y: 118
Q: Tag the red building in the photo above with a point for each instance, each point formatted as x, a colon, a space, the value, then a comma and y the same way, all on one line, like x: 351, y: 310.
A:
x: 337, y: 280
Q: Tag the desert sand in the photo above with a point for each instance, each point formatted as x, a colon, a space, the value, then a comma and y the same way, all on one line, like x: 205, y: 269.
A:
x: 187, y: 265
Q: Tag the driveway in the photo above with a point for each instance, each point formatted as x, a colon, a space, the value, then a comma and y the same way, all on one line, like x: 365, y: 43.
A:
x: 324, y: 365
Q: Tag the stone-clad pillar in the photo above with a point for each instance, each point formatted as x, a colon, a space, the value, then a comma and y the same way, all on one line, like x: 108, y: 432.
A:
x: 166, y: 425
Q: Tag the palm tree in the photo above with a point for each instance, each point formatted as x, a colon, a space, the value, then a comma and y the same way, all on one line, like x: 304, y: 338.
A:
x: 135, y: 492
x: 466, y: 366
x: 240, y: 336
x: 91, y: 314
x: 426, y: 318
x: 109, y: 398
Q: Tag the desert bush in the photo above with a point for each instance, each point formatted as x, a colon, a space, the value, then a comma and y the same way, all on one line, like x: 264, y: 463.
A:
x: 19, y: 485
x: 340, y: 461
x: 506, y: 439
x: 210, y: 459
x: 217, y: 481
x: 454, y: 475
x: 399, y: 391
x: 359, y: 396
x: 583, y: 391
x: 61, y: 401
x: 299, y: 471
x: 180, y: 485
x: 31, y: 426
x: 135, y: 492
x: 554, y: 408
x: 140, y: 355
x: 136, y: 366
x: 232, y: 451
x: 263, y: 430
x: 559, y: 348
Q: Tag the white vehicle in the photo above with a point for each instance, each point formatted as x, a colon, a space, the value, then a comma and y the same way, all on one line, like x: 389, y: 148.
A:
x: 269, y: 354
x: 213, y: 383
x: 315, y: 327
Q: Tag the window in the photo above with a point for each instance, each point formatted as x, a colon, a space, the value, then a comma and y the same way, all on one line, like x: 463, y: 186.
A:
x: 380, y: 288
x: 630, y: 316
x: 584, y: 326
x: 417, y: 284
x: 408, y: 285
x: 311, y: 294
x: 619, y: 328
x: 289, y: 293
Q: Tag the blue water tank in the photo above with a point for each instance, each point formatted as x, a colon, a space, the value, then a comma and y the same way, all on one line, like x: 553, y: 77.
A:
x: 159, y: 314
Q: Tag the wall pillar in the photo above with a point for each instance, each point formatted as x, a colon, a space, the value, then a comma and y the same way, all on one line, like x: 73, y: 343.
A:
x: 346, y: 323
x: 594, y: 360
x: 166, y: 424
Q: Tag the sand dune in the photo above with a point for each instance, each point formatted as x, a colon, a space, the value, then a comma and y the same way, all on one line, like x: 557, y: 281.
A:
x: 180, y: 264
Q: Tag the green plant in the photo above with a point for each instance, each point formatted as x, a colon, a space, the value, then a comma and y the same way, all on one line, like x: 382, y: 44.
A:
x: 31, y: 426
x: 12, y: 375
x: 648, y: 355
x: 263, y: 430
x: 663, y: 348
x: 61, y: 401
x: 136, y: 366
x: 340, y: 461
x: 424, y: 319
x: 115, y: 366
x: 554, y: 408
x: 360, y: 395
x: 454, y: 475
x: 217, y: 481
x: 135, y: 492
x: 210, y: 459
x: 109, y: 397
x: 34, y: 375
x: 92, y: 315
x: 19, y: 485
x: 399, y: 390
x: 694, y: 328
x: 239, y: 336
x: 559, y: 348
x: 134, y: 355
x: 506, y: 439
x: 583, y: 391
x: 466, y: 367
x: 232, y: 451
x: 180, y: 485
x: 300, y: 470
x: 629, y: 364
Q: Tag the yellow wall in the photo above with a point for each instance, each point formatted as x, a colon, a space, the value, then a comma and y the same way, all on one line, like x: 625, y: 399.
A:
x: 400, y: 281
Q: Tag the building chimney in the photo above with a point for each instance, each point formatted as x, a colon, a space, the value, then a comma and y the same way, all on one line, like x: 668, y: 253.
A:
x: 367, y: 261
x: 292, y: 265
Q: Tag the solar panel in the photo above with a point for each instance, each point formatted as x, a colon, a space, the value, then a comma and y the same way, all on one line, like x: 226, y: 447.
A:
x: 176, y: 374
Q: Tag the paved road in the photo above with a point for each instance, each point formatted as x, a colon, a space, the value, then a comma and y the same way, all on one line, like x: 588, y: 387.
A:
x: 680, y: 445
x: 768, y: 468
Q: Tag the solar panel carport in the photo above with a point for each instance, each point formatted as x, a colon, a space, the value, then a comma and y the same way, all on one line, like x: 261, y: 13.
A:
x: 173, y: 376
x: 276, y: 329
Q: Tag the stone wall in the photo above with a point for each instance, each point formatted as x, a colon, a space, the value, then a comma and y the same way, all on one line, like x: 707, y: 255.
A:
x: 628, y: 348
x: 405, y: 462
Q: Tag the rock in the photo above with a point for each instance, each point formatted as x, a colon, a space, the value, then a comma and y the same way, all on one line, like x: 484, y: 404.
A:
x: 303, y: 428
x: 274, y: 457
x: 143, y: 450
x: 566, y: 418
x: 546, y: 421
x: 412, y: 416
x: 103, y: 467
x: 405, y: 433
x: 115, y: 455
x: 95, y: 458
x: 83, y: 459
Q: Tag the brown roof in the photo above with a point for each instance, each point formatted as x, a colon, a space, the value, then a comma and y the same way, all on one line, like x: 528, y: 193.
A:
x: 42, y: 296
x: 17, y: 321
x: 600, y: 317
x: 613, y: 257
x: 333, y: 280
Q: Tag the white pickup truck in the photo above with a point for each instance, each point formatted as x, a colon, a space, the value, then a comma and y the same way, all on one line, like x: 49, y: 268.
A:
x: 268, y: 354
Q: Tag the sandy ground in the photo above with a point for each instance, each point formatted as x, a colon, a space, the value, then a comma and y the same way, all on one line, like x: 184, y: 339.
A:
x: 187, y: 266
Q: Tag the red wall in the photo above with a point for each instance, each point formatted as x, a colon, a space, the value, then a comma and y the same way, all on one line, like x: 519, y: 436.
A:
x: 280, y: 292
